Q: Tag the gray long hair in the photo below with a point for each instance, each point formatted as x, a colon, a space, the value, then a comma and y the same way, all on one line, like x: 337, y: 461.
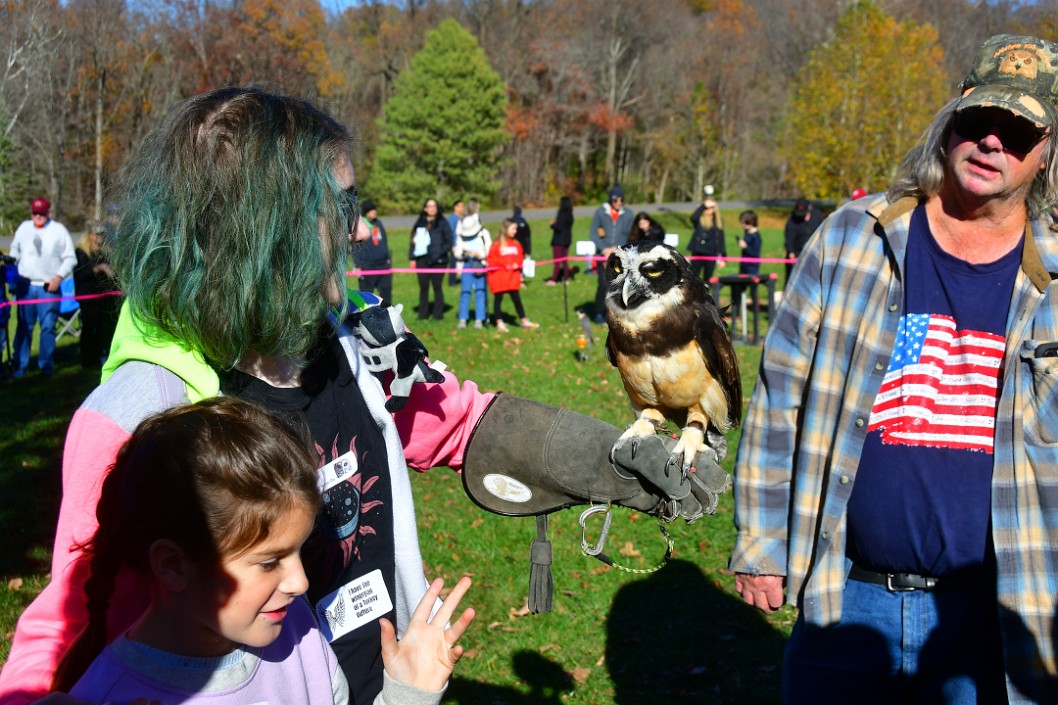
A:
x: 921, y: 173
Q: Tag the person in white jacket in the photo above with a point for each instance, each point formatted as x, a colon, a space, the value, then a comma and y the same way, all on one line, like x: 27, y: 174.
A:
x: 472, y: 246
x: 46, y: 256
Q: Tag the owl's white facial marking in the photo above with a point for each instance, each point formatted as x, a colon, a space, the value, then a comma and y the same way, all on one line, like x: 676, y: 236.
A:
x: 642, y: 288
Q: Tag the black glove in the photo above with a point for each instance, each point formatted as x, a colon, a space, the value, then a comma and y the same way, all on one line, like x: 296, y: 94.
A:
x: 527, y: 458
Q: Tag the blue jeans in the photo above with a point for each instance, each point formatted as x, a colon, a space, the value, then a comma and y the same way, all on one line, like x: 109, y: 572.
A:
x: 472, y: 284
x: 900, y: 647
x: 28, y: 316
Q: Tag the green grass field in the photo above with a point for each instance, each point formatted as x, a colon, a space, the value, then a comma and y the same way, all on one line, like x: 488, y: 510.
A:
x: 680, y: 634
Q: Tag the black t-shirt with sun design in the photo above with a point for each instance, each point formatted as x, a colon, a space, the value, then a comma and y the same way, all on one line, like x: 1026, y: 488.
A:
x: 354, y: 532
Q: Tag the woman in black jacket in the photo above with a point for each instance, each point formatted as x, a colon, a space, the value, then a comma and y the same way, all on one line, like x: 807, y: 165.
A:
x: 707, y: 240
x: 431, y: 241
x: 646, y: 228
x: 561, y: 239
x: 99, y: 316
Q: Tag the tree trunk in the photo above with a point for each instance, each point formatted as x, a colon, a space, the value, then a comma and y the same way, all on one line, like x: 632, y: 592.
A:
x: 97, y: 212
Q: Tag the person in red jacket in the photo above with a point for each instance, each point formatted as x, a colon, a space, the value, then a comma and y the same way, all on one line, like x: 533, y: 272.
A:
x: 505, y: 274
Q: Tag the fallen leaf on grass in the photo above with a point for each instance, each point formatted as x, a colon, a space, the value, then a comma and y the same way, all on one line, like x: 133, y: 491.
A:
x: 515, y: 613
x: 601, y: 661
x: 14, y: 584
x: 580, y: 675
x: 476, y: 523
x: 548, y: 647
x: 600, y: 570
x: 470, y: 654
x: 629, y: 550
x: 493, y: 625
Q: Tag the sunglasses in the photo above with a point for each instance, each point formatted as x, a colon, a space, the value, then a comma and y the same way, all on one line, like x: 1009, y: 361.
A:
x: 349, y: 204
x: 1018, y: 136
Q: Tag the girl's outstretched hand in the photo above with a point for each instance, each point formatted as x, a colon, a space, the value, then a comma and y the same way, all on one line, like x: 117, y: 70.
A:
x: 426, y: 655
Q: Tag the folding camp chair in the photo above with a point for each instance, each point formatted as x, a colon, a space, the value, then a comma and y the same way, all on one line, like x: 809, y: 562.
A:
x: 69, y: 312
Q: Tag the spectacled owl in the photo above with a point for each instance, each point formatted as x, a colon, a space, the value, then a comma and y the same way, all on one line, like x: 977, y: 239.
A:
x: 669, y: 341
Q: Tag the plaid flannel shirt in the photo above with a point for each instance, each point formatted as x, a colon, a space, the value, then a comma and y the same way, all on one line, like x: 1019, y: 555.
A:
x: 824, y: 360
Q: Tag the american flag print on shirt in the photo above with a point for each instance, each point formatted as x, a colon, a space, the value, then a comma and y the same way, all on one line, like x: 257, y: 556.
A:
x: 940, y: 388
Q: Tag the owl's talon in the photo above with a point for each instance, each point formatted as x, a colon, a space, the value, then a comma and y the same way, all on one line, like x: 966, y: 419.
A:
x: 692, y: 442
x: 673, y: 459
x: 635, y: 446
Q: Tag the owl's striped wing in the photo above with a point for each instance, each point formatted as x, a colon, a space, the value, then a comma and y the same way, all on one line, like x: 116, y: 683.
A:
x: 712, y: 336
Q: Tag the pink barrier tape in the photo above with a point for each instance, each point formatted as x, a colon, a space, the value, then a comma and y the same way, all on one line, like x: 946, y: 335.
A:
x: 82, y: 297
x: 424, y: 270
x: 544, y: 263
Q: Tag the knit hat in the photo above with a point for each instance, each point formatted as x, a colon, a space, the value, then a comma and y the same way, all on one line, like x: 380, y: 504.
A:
x: 366, y: 206
x: 1017, y: 74
x: 617, y: 192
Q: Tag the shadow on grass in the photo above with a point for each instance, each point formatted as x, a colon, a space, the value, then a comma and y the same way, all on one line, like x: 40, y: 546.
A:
x: 546, y: 680
x: 673, y: 637
x: 677, y: 637
x: 35, y: 413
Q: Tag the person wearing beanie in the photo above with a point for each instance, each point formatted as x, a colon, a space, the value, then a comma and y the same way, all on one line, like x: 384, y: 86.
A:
x: 610, y: 227
x: 45, y: 254
x: 804, y: 219
x: 897, y: 475
x: 524, y: 236
x: 373, y: 255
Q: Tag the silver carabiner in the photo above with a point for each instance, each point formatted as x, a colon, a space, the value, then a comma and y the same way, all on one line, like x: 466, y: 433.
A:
x: 585, y: 547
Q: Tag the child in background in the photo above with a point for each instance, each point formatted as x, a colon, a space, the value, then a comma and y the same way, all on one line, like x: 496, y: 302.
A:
x: 750, y: 243
x: 210, y: 505
x: 505, y: 274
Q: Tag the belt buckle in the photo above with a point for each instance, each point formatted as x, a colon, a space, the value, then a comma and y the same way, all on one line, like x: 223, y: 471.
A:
x: 897, y: 588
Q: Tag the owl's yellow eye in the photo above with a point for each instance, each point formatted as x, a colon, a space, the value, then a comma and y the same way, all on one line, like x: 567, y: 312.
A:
x: 617, y: 268
x: 653, y: 273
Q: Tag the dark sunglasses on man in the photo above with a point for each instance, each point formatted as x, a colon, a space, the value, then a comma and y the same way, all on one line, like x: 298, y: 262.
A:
x: 1017, y: 134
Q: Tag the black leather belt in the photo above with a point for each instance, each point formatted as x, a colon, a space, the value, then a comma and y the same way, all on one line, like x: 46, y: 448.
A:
x: 901, y: 582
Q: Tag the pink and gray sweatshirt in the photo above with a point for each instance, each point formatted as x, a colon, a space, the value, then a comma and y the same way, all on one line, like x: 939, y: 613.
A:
x: 147, y: 374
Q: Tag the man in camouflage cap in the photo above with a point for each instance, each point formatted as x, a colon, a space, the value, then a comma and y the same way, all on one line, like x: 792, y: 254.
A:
x: 898, y: 475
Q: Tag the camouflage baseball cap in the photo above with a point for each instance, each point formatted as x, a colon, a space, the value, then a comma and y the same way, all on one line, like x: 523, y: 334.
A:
x: 1017, y: 74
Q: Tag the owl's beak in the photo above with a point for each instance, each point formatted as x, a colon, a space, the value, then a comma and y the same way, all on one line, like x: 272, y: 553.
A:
x: 627, y: 291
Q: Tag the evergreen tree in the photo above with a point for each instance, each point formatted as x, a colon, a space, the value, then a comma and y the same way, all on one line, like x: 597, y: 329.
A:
x: 442, y: 130
x: 14, y: 188
x: 862, y: 100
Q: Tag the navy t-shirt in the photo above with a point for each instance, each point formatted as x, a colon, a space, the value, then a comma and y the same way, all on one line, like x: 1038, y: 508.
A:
x: 922, y: 498
x: 354, y: 536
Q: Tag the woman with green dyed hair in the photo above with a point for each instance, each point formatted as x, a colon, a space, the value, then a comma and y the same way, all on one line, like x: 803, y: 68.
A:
x: 236, y: 211
x: 222, y: 243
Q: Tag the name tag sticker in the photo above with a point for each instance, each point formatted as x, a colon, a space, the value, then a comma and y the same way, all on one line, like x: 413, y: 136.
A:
x: 338, y: 470
x: 353, y: 605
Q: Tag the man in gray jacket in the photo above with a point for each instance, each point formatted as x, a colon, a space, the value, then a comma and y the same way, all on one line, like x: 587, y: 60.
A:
x: 609, y: 229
